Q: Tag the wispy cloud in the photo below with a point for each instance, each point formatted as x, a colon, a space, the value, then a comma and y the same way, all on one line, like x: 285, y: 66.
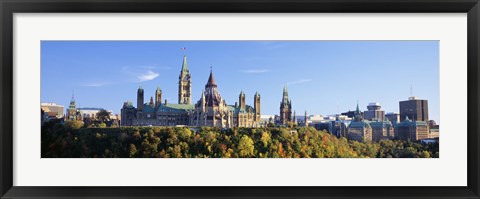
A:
x: 147, y: 76
x: 300, y: 81
x: 255, y: 71
x: 139, y: 74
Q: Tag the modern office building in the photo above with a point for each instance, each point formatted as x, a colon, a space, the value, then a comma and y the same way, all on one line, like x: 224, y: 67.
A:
x: 374, y: 113
x: 415, y: 109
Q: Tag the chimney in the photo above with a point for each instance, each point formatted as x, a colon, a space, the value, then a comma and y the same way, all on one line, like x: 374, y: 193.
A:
x: 165, y: 102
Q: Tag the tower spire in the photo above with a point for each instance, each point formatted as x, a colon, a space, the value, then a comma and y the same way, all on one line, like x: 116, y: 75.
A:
x: 358, y: 109
x: 185, y: 64
x: 184, y: 82
x: 211, y: 80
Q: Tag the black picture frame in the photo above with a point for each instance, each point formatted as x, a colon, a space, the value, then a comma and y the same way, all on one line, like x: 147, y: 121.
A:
x: 9, y: 7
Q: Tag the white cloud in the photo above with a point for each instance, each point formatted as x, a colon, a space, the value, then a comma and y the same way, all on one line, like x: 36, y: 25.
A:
x: 300, y: 81
x: 147, y: 76
x: 255, y: 71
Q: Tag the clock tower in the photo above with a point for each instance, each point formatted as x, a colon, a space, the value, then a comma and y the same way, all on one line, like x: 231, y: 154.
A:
x: 184, y: 84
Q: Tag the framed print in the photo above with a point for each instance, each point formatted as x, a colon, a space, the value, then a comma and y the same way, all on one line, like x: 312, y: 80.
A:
x: 259, y: 99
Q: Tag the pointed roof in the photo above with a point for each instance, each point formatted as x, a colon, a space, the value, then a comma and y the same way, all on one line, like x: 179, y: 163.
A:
x: 358, y: 109
x: 159, y: 89
x: 185, y: 64
x: 211, y: 80
x: 285, y: 88
x: 256, y: 93
x: 241, y: 93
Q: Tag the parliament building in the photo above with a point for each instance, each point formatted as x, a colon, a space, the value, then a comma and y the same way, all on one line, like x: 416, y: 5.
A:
x: 210, y: 110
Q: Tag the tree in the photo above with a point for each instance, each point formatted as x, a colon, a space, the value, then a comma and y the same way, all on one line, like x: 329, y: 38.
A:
x: 245, y: 147
x: 133, y: 150
x: 265, y: 138
x: 102, y: 125
x: 74, y: 124
x: 103, y: 115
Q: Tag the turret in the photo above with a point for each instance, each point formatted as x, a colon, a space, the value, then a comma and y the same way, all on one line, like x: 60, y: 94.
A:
x: 140, y: 99
x: 158, y: 97
x: 151, y: 102
x: 241, y: 101
x: 256, y: 105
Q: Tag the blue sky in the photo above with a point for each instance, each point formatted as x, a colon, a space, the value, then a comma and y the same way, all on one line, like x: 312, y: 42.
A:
x: 323, y: 77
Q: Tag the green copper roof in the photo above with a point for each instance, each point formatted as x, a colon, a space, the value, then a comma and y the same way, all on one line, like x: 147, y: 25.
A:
x: 380, y: 124
x: 239, y: 110
x: 360, y: 124
x: 412, y: 123
x: 185, y: 64
x: 169, y: 108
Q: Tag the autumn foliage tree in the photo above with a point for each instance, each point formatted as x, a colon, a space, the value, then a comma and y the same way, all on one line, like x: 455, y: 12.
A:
x: 71, y: 141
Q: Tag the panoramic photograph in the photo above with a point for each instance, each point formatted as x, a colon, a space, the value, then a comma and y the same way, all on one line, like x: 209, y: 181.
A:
x: 240, y: 99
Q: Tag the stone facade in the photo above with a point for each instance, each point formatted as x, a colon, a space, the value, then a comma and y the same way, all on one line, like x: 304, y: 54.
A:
x: 382, y: 130
x: 359, y: 129
x: 412, y: 130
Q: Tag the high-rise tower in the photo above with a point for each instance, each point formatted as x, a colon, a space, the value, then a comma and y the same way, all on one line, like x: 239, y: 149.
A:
x: 184, y: 84
x: 415, y: 109
x: 285, y: 108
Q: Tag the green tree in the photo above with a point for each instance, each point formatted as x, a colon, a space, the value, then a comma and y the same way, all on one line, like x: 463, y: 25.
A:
x: 245, y: 147
x: 265, y: 138
x: 102, y: 125
x: 103, y: 115
x: 133, y: 151
x: 74, y: 124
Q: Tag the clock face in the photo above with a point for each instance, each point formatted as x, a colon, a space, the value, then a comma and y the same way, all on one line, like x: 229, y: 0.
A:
x: 186, y: 78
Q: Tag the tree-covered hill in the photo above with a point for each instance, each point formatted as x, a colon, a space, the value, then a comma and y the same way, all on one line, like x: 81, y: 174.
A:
x: 72, y: 141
